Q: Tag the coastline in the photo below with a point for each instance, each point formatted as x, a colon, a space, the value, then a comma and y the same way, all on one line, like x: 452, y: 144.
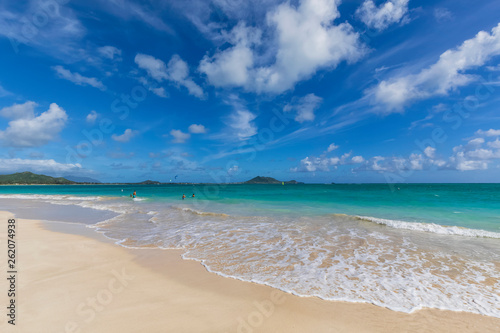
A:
x: 72, y: 279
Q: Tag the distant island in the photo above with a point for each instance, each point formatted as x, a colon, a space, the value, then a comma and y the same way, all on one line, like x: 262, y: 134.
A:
x: 269, y: 180
x: 29, y: 178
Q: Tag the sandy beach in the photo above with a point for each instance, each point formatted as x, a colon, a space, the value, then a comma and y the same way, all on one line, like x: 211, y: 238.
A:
x: 72, y: 279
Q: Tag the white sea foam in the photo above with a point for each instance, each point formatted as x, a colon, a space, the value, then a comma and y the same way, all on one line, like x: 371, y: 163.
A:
x: 332, y: 257
x: 432, y: 227
x: 48, y: 197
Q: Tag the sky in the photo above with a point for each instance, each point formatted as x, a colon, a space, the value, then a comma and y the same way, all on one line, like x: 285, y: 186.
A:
x: 318, y: 91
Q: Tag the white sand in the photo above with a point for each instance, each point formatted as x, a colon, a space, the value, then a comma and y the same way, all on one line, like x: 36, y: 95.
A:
x: 84, y: 283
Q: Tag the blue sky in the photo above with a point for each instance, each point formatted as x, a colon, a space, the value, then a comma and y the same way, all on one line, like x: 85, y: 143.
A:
x: 216, y: 91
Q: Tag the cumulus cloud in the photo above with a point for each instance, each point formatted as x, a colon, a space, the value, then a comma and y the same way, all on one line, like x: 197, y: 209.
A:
x: 28, y: 130
x: 234, y: 170
x: 494, y: 144
x: 305, y: 38
x: 430, y: 152
x: 381, y: 17
x: 324, y: 163
x: 37, y: 166
x: 91, y: 117
x: 155, y: 68
x: 179, y: 136
x: 332, y: 147
x: 78, y: 79
x: 197, y: 129
x: 490, y: 132
x: 304, y: 107
x: 19, y: 111
x: 110, y: 52
x: 126, y: 136
x: 176, y: 72
x: 358, y: 159
x: 447, y: 74
x: 476, y: 154
x: 232, y: 66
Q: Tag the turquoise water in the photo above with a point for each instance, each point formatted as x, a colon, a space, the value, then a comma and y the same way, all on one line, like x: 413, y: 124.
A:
x: 475, y: 206
x: 406, y: 247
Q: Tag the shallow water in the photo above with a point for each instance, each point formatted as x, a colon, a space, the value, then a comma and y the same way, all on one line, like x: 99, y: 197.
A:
x: 435, y: 246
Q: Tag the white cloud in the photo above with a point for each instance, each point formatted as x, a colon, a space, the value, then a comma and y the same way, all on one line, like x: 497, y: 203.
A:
x: 483, y: 154
x: 494, y: 144
x: 234, y: 170
x: 179, y: 136
x: 416, y: 162
x: 91, y: 117
x: 160, y: 92
x: 231, y: 66
x: 154, y: 67
x: 332, y: 147
x: 476, y: 142
x: 110, y: 52
x: 19, y: 111
x: 430, y: 152
x: 375, y: 164
x: 77, y: 78
x: 304, y: 107
x: 197, y: 129
x: 490, y: 132
x: 461, y: 163
x: 304, y: 40
x: 37, y: 166
x: 323, y: 163
x: 358, y: 159
x: 177, y: 72
x: 241, y: 122
x: 445, y: 75
x: 472, y: 156
x: 126, y: 136
x: 28, y: 130
x: 381, y: 17
x: 312, y: 164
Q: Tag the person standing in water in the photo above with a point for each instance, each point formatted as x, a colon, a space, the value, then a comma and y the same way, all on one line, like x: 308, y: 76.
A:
x: 134, y: 194
x: 192, y: 196
x: 183, y: 196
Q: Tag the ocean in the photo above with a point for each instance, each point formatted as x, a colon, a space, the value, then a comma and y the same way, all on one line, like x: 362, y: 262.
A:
x: 404, y: 247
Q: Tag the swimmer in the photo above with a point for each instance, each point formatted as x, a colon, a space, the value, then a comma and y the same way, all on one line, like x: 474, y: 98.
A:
x: 183, y: 196
x: 192, y: 196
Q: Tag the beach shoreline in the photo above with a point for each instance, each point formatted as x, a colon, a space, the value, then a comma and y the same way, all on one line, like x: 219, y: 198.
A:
x: 72, y: 279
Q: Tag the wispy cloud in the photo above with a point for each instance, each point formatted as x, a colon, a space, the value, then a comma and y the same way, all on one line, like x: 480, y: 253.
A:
x: 304, y: 107
x: 447, y: 74
x: 176, y: 72
x: 78, y: 79
x: 3, y: 92
x: 58, y: 33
